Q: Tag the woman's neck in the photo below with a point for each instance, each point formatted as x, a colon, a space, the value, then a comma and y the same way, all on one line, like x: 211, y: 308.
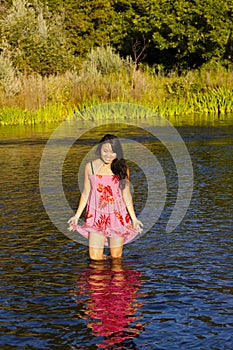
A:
x: 104, y: 168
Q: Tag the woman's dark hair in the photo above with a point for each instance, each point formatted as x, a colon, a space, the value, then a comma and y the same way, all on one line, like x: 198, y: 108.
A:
x: 118, y: 166
x: 114, y: 142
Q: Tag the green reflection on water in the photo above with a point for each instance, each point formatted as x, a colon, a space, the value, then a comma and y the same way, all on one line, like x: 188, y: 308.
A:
x: 43, y: 131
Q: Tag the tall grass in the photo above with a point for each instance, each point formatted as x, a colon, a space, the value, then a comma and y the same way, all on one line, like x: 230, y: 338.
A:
x: 48, y: 114
x: 55, y: 98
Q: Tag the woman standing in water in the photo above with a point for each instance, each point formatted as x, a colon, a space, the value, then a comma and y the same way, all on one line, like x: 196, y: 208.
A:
x: 110, y: 216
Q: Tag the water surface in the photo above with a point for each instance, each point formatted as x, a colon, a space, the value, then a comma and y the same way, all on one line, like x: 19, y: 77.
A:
x: 170, y: 291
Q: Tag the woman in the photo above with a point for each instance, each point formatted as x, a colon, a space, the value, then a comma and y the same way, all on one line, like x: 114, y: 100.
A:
x: 110, y: 212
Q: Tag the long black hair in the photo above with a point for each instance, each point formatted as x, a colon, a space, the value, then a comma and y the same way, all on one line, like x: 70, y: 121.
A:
x: 118, y: 166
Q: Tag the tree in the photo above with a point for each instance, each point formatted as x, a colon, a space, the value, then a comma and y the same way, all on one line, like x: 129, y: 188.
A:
x: 174, y: 34
x: 178, y: 33
x: 35, y: 38
x: 87, y: 24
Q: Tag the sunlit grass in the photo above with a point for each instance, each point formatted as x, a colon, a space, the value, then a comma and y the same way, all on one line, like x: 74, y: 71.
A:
x: 55, y: 98
x: 47, y: 114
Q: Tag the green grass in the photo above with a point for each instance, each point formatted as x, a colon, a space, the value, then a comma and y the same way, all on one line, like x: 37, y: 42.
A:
x: 55, y: 98
x: 47, y: 114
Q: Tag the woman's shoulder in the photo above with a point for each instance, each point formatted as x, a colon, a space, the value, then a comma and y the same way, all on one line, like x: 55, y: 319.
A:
x: 87, y: 168
x: 96, y: 161
x: 92, y: 165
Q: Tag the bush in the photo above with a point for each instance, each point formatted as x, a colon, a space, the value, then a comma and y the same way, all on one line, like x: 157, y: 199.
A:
x: 9, y: 79
x: 36, y: 38
x: 104, y: 61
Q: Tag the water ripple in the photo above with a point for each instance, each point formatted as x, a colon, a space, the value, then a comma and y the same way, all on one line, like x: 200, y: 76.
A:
x: 171, y: 291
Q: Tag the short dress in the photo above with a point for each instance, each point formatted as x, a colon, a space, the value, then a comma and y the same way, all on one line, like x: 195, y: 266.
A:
x: 106, y: 212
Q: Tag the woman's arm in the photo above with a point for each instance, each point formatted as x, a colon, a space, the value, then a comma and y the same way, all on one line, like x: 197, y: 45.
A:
x: 84, y: 196
x: 129, y: 204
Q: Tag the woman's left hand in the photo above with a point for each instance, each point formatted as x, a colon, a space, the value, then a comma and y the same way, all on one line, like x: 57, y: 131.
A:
x: 137, y: 224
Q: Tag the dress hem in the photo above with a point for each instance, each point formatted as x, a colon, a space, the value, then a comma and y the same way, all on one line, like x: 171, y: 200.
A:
x: 128, y: 233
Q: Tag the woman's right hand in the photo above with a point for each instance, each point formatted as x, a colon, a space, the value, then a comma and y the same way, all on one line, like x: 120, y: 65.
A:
x: 73, y: 220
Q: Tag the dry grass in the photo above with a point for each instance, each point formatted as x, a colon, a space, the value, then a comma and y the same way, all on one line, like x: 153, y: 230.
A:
x: 49, y: 98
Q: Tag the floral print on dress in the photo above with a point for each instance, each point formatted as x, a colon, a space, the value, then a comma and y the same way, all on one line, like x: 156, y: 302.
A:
x: 106, y: 195
x: 88, y: 215
x: 103, y: 222
x: 106, y: 213
x: 115, y: 179
x: 119, y: 217
x: 127, y: 219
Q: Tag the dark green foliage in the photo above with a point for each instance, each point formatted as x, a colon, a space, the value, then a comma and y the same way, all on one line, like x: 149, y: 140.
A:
x: 172, y: 34
x: 87, y: 23
x: 178, y: 34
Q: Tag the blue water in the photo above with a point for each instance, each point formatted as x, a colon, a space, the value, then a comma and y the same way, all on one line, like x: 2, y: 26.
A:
x: 170, y: 291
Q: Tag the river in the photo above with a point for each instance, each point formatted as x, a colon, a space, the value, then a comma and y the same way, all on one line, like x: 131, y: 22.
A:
x: 172, y: 290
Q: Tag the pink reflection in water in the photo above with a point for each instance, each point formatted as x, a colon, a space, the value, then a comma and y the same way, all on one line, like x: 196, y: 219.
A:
x: 111, y: 307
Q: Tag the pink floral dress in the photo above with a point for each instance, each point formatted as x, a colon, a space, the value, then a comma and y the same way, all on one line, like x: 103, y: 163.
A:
x: 106, y: 212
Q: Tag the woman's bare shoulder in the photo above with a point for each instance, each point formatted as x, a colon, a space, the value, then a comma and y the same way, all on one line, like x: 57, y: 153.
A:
x: 88, y: 168
x: 94, y: 163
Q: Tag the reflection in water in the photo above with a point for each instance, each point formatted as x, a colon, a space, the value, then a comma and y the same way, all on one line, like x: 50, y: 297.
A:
x: 187, y: 275
x: 111, y: 307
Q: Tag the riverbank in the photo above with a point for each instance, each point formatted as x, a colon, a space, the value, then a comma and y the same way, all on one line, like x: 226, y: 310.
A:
x: 56, y: 98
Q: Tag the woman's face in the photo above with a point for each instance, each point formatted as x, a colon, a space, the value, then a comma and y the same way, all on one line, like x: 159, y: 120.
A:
x: 107, y: 154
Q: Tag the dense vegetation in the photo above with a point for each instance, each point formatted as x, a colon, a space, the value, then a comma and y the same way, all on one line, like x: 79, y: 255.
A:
x: 161, y: 53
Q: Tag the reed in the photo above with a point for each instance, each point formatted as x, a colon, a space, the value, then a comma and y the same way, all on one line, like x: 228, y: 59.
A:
x: 55, y: 98
x: 48, y: 114
x: 214, y: 101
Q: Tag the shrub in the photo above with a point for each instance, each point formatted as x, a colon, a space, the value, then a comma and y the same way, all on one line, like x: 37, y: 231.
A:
x: 9, y: 79
x: 104, y: 61
x: 36, y: 38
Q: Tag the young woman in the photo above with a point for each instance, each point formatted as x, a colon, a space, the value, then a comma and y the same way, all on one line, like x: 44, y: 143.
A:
x: 110, y: 216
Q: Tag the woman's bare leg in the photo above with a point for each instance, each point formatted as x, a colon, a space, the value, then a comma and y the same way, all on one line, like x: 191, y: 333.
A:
x: 96, y: 246
x: 116, y: 247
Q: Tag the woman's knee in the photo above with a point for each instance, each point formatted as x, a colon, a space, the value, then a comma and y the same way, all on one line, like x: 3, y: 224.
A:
x: 116, y: 252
